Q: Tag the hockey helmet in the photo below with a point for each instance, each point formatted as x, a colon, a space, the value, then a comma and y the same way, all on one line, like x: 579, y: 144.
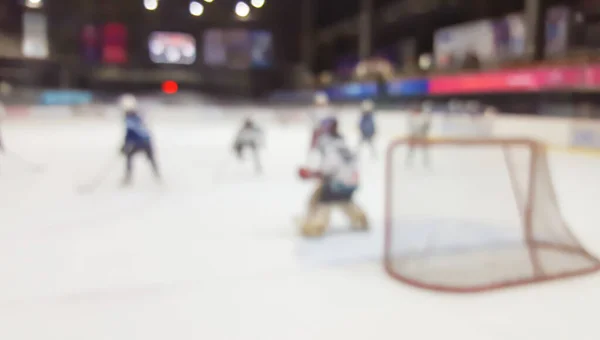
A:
x: 128, y: 102
x: 321, y: 98
x: 248, y: 122
x: 367, y: 105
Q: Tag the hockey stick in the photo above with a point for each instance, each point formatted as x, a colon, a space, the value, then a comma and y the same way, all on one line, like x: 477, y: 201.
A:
x: 98, y: 179
x: 31, y: 165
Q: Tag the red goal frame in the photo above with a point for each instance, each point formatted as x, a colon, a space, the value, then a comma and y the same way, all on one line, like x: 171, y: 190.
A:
x: 537, y: 150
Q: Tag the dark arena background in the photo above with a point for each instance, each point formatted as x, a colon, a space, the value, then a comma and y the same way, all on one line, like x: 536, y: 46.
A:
x: 299, y: 169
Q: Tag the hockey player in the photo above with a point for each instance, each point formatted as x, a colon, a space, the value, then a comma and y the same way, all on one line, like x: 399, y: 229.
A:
x: 419, y: 125
x: 137, y: 138
x: 367, y: 126
x: 250, y: 137
x: 338, y: 180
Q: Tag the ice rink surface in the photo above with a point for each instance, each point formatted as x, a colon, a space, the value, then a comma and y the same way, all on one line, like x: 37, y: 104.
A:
x: 214, y: 252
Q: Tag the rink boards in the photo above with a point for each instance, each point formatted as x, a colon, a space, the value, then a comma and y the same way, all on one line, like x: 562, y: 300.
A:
x: 562, y: 134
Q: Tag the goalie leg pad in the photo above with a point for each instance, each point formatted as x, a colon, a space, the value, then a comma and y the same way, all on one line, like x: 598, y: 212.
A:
x: 315, y: 198
x: 356, y: 215
x: 317, y: 221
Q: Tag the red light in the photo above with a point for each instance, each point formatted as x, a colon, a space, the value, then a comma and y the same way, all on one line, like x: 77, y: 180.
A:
x: 170, y: 87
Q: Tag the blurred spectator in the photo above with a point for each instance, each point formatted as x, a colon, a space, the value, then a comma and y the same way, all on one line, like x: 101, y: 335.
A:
x: 373, y: 69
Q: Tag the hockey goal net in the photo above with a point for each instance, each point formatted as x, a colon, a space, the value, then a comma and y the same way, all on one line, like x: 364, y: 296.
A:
x: 483, y: 215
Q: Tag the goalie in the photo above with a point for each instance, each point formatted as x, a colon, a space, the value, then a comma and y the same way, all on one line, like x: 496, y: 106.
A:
x: 419, y: 126
x: 338, y: 180
x: 250, y: 137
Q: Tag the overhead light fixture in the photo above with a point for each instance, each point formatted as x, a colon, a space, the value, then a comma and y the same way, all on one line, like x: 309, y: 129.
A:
x: 196, y: 8
x: 150, y: 5
x: 257, y: 3
x: 242, y: 9
x: 34, y: 3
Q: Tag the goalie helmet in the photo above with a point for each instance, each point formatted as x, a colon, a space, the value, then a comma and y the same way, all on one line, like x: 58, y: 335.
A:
x: 321, y: 99
x: 128, y: 102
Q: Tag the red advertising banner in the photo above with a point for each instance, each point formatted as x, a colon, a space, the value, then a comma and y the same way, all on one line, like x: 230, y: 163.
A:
x: 518, y: 80
x: 114, y: 49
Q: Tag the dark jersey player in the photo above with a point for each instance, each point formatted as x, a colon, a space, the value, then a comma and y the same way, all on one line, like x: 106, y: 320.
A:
x: 367, y: 126
x: 137, y: 138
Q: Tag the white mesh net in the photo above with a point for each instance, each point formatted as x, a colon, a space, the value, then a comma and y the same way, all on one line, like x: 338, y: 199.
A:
x: 484, y: 215
x: 467, y: 125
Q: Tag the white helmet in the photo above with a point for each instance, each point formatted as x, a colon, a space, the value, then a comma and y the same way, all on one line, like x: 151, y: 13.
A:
x: 367, y: 105
x: 128, y: 102
x: 321, y: 98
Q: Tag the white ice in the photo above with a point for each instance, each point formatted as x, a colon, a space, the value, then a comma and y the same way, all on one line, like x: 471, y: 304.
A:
x: 213, y: 254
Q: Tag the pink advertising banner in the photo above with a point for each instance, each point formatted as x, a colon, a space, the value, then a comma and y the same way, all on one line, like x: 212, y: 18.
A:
x: 518, y: 80
x: 592, y: 76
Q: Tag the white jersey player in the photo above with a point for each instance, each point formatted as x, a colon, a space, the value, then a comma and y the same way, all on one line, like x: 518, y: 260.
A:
x: 250, y: 137
x: 338, y: 180
x: 419, y: 126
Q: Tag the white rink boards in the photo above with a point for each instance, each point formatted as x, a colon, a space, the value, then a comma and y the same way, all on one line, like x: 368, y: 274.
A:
x: 213, y: 254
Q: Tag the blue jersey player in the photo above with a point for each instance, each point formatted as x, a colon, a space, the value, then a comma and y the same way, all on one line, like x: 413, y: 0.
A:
x: 137, y: 137
x: 367, y: 126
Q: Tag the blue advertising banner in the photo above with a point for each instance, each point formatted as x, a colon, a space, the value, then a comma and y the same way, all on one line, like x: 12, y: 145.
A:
x: 352, y: 91
x: 408, y: 87
x: 65, y: 97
